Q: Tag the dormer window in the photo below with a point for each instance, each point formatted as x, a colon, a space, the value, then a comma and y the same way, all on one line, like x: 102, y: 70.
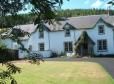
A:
x: 67, y: 31
x: 30, y: 48
x: 101, y: 29
x: 41, y: 33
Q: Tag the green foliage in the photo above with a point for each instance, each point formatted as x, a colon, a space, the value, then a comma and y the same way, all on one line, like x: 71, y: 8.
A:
x: 111, y: 2
x: 34, y: 58
x: 2, y: 46
x: 31, y: 18
x: 43, y: 10
x: 63, y: 72
x: 53, y: 55
x: 62, y: 54
x: 8, y: 73
x: 83, y: 12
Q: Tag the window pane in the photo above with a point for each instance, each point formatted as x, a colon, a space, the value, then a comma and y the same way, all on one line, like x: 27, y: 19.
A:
x: 70, y: 46
x: 41, y: 46
x: 102, y: 45
x: 66, y: 46
x: 41, y: 34
x: 99, y: 44
x: 67, y: 32
x: 101, y: 29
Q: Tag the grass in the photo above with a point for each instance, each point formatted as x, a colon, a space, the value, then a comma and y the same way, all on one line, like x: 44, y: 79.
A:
x: 63, y: 73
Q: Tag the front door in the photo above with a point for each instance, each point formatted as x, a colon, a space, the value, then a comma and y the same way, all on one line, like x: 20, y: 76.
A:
x: 84, y: 50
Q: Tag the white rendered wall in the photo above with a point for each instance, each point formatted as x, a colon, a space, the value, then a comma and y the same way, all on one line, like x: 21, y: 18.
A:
x: 93, y: 33
x: 54, y: 41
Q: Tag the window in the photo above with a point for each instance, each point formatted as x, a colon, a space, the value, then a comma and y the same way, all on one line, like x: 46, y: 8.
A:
x: 68, y: 46
x: 30, y: 47
x: 67, y: 33
x: 41, y: 33
x: 102, y: 45
x: 101, y: 29
x: 41, y: 46
x: 67, y: 30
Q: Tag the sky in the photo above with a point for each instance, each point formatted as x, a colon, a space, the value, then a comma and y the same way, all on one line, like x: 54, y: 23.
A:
x: 80, y: 4
x: 85, y: 4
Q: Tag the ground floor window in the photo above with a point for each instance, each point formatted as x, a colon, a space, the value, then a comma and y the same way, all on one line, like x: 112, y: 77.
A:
x: 102, y: 45
x: 41, y: 46
x: 68, y: 47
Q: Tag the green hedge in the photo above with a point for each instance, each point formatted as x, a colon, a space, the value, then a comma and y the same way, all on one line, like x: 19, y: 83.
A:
x: 8, y: 55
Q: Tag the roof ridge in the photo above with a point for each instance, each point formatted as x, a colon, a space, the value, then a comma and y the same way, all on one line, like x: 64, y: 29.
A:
x: 88, y: 16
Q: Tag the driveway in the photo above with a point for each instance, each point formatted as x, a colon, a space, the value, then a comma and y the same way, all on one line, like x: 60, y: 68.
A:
x: 107, y: 63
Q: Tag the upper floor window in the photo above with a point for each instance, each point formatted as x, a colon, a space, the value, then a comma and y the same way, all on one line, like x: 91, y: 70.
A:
x: 41, y: 33
x: 68, y: 47
x: 102, y: 45
x: 101, y: 29
x: 67, y: 33
x: 41, y: 46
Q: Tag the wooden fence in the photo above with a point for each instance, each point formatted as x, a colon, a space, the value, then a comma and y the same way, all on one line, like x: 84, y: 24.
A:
x: 8, y: 54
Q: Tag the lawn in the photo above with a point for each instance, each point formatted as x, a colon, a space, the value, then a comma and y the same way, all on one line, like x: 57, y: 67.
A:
x: 63, y: 73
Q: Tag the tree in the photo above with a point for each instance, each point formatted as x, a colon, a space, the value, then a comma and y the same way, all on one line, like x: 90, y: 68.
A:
x: 44, y: 10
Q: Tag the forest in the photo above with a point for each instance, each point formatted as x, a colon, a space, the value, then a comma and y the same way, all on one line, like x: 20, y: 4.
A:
x: 30, y: 18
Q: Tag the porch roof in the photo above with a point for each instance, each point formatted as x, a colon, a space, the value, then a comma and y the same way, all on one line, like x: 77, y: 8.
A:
x: 84, y: 37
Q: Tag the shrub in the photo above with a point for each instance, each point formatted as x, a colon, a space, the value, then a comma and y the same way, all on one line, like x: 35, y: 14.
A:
x: 54, y: 54
x: 101, y: 55
x: 2, y: 45
x: 62, y: 54
x: 8, y: 55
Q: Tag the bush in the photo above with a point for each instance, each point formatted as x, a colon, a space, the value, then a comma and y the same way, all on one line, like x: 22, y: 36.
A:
x: 54, y: 54
x: 62, y: 54
x: 8, y: 55
x: 101, y: 55
x: 2, y: 45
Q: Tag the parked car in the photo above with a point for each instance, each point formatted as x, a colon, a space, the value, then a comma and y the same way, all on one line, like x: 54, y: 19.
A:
x: 35, y: 55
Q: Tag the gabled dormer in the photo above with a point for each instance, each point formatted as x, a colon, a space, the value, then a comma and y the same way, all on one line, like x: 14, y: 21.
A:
x: 101, y: 29
x: 67, y: 27
x: 41, y: 30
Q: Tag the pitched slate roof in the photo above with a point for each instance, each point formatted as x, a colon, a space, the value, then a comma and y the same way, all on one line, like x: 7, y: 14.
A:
x: 81, y: 22
x: 27, y: 27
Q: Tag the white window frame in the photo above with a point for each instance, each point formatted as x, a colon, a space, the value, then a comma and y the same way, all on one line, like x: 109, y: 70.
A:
x: 69, y: 48
x: 102, y: 45
x: 101, y: 28
x: 67, y: 33
x: 67, y: 30
x: 41, y: 34
x: 41, y: 48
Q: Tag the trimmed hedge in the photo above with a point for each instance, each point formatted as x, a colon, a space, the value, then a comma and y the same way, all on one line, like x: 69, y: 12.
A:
x: 8, y: 55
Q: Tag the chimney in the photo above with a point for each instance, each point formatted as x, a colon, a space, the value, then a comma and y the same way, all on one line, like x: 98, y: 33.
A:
x: 108, y: 10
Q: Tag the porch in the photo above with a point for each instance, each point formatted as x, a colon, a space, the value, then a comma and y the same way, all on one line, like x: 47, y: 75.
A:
x: 84, y: 45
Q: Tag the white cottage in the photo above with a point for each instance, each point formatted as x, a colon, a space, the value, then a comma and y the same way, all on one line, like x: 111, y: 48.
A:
x: 85, y: 35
